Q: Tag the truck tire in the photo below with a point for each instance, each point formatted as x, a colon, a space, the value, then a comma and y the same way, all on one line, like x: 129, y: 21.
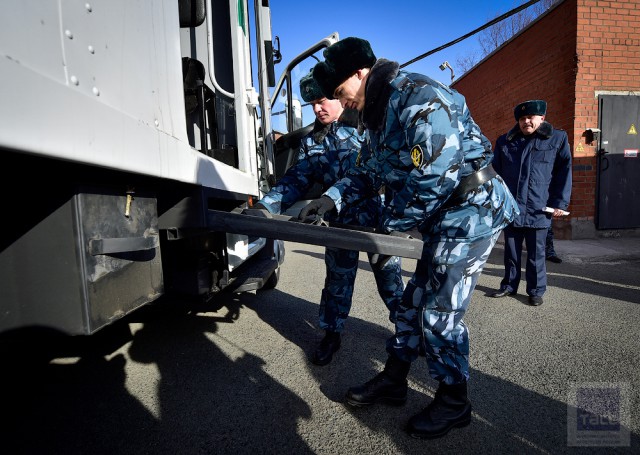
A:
x: 272, y: 281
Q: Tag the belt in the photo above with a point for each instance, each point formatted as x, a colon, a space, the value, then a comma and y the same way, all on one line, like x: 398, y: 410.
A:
x: 468, y: 183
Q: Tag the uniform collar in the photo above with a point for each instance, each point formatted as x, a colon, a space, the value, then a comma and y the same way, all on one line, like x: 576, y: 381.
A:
x: 545, y: 131
x: 320, y: 131
x: 349, y: 117
x: 378, y: 92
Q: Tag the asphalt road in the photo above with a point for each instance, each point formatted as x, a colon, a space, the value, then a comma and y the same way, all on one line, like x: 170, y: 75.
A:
x: 184, y: 378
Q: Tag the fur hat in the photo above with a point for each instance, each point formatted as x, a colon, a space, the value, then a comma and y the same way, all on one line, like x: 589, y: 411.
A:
x: 309, y: 88
x: 341, y: 60
x: 532, y: 107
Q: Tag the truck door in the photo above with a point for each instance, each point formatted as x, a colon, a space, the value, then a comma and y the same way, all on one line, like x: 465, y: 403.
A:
x: 618, y: 200
x: 292, y: 117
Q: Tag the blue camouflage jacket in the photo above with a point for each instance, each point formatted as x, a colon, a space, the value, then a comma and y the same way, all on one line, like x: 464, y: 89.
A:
x: 422, y: 142
x: 537, y: 170
x: 324, y: 157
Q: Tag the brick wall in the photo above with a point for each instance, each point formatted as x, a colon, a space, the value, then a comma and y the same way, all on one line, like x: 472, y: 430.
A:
x: 608, y: 49
x: 539, y: 63
x: 573, y: 52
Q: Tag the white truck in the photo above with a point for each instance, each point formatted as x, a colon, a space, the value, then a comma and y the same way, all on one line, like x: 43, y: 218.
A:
x: 129, y: 131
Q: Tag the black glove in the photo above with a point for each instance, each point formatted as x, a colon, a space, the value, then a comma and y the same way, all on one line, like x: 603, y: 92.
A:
x: 317, y: 207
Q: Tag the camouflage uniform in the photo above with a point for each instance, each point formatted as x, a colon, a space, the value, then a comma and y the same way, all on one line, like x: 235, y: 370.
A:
x: 325, y: 155
x: 422, y: 141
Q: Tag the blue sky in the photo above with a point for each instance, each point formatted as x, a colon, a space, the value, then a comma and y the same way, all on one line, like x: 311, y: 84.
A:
x: 398, y: 30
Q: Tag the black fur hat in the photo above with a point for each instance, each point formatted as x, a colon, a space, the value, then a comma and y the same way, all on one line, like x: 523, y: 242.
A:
x: 532, y: 107
x: 309, y: 89
x: 341, y: 60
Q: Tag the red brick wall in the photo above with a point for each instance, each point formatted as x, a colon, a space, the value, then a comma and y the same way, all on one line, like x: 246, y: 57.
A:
x: 608, y: 46
x: 539, y: 63
x: 574, y: 51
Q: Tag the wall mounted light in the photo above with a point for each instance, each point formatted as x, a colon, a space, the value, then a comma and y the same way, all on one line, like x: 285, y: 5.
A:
x: 591, y: 135
x: 446, y: 65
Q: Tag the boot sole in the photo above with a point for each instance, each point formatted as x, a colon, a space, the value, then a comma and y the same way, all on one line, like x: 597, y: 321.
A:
x: 323, y: 362
x: 383, y: 400
x: 460, y: 424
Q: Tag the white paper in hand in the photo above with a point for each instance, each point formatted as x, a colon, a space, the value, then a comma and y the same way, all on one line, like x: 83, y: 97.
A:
x: 550, y: 210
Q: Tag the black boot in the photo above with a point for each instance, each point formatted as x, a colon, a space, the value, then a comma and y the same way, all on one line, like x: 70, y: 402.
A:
x: 450, y: 408
x: 390, y: 385
x: 329, y: 344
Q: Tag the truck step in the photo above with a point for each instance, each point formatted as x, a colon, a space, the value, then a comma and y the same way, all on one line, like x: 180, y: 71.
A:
x: 252, y: 276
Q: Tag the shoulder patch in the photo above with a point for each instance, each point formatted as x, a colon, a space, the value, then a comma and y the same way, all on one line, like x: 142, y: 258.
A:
x: 417, y: 156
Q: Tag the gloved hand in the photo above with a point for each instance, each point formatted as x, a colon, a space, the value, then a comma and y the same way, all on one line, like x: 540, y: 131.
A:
x: 258, y: 205
x: 379, y: 260
x: 317, y: 207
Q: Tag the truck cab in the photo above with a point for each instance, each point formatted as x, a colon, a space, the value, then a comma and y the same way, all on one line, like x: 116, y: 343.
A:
x: 122, y: 126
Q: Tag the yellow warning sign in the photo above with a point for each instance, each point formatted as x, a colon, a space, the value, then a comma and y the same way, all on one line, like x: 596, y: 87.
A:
x: 632, y: 129
x: 579, y: 150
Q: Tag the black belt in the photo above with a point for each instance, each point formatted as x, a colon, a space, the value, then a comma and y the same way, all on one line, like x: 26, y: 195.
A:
x: 468, y: 183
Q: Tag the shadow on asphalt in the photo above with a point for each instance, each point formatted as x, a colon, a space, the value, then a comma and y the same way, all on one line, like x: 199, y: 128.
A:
x: 207, y: 402
x: 619, y: 280
x: 507, y: 417
x: 210, y: 403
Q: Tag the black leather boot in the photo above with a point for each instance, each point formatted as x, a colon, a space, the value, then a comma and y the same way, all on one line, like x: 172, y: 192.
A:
x: 450, y: 408
x: 329, y: 344
x: 390, y: 385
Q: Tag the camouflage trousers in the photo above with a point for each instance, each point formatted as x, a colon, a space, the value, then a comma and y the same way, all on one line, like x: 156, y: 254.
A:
x: 342, y: 266
x: 434, y: 303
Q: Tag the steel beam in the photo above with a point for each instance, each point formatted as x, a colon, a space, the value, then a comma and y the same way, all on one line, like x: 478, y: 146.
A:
x: 260, y: 223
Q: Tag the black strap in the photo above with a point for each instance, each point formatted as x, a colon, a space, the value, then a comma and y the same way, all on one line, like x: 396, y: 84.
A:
x: 468, y: 183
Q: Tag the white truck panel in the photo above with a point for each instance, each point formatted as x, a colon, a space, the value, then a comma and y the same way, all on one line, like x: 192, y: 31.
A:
x: 106, y: 95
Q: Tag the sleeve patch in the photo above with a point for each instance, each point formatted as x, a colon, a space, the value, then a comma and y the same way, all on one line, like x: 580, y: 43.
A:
x: 417, y: 156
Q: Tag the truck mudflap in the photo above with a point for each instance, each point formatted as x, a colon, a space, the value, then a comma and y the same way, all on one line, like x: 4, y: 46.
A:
x: 264, y: 224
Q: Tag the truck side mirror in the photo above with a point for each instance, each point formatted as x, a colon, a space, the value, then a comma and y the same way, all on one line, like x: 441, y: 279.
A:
x: 191, y: 13
x: 273, y: 57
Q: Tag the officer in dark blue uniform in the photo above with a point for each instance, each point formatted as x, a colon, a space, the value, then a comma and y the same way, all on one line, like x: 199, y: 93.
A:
x: 534, y: 160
